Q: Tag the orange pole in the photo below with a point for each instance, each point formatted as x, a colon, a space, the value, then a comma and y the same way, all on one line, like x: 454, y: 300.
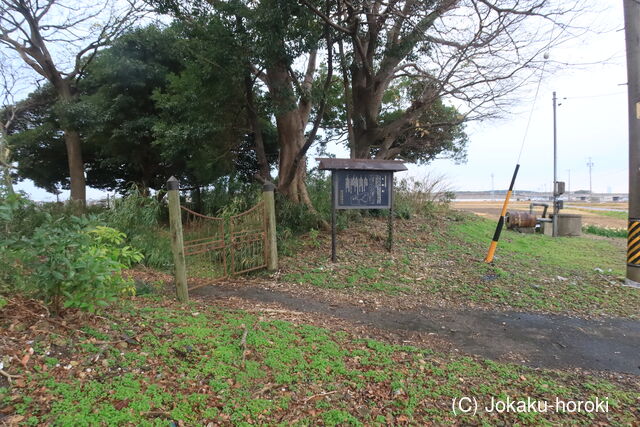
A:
x: 496, y: 235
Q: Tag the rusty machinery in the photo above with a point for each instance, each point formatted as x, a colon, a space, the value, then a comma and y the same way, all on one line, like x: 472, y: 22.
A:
x: 528, y: 222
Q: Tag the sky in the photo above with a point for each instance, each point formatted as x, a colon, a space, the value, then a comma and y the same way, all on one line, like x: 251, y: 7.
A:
x: 592, y: 123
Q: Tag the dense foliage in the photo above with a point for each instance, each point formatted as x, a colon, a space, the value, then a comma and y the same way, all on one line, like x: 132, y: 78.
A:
x: 150, y: 106
x: 66, y: 261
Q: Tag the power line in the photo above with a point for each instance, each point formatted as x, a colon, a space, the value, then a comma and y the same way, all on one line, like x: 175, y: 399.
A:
x: 533, y: 106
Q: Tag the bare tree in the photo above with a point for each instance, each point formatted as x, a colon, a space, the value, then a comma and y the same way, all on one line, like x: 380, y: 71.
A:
x: 474, y: 53
x: 58, y: 39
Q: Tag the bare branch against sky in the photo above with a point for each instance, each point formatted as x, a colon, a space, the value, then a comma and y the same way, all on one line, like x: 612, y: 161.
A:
x: 58, y: 39
x: 62, y: 34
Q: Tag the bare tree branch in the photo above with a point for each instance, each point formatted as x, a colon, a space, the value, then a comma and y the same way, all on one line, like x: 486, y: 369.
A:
x: 474, y: 53
x: 46, y: 34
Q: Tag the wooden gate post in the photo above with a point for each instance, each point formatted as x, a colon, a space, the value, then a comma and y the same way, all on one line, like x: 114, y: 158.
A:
x: 177, y: 241
x: 272, y: 242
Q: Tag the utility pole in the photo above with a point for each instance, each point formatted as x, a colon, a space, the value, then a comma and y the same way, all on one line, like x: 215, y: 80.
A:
x: 632, y: 36
x: 569, y: 186
x: 590, y: 165
x: 555, y: 169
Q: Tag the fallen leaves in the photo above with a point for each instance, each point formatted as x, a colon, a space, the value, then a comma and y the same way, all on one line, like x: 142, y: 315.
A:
x: 170, y: 357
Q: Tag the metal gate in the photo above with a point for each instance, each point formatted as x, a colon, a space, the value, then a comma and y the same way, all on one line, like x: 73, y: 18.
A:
x: 217, y: 248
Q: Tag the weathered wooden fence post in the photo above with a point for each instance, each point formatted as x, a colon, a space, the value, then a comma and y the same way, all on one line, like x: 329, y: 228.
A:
x: 272, y: 242
x: 177, y: 241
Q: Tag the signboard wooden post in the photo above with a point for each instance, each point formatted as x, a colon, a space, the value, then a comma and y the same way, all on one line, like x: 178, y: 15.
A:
x: 361, y: 184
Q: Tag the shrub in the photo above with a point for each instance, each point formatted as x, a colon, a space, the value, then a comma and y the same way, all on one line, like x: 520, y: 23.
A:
x: 138, y: 216
x: 429, y: 196
x: 217, y: 199
x: 68, y: 262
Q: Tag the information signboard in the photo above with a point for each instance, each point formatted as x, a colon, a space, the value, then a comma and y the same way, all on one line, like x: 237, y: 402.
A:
x: 362, y: 189
x: 361, y: 184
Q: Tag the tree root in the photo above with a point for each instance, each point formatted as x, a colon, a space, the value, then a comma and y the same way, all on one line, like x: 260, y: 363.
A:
x: 9, y: 376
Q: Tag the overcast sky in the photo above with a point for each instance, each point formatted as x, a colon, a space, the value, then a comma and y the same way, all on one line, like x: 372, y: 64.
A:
x: 592, y: 122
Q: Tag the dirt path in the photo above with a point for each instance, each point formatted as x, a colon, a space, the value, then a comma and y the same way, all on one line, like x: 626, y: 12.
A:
x: 538, y: 340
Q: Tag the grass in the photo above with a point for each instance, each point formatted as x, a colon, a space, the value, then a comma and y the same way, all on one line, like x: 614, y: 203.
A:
x: 440, y: 261
x: 610, y: 214
x: 568, y: 253
x: 189, y: 366
x: 605, y: 232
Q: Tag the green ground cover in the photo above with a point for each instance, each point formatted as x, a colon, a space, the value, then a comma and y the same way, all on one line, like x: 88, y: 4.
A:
x: 151, y: 362
x: 605, y: 231
x: 441, y: 260
x: 610, y: 214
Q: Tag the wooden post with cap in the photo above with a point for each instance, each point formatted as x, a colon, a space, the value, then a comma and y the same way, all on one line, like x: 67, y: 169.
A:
x: 270, y: 210
x: 177, y: 240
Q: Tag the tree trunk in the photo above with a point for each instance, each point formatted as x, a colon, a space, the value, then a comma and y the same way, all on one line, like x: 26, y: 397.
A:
x: 196, y: 195
x: 5, y: 160
x: 291, y: 119
x: 290, y: 140
x: 347, y: 99
x: 74, y: 147
x: 366, y: 96
x: 76, y: 167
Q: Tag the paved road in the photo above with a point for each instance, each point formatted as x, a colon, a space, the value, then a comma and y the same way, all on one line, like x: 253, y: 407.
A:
x: 539, y: 340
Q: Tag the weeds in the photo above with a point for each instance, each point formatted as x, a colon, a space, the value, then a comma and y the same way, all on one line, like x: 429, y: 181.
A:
x: 138, y: 216
x: 606, y: 232
x: 190, y: 369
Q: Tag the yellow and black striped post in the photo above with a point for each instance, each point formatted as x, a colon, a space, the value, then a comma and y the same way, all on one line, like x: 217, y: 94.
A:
x: 496, y: 235
x: 633, y: 243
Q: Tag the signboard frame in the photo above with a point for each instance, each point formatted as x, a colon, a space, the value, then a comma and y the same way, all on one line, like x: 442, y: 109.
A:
x: 363, y: 168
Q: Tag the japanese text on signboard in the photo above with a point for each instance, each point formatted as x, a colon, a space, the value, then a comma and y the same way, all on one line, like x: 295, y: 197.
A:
x: 363, y: 189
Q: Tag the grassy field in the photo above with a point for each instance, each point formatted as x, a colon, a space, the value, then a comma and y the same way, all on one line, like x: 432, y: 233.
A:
x: 610, y: 214
x: 153, y: 362
x: 440, y: 261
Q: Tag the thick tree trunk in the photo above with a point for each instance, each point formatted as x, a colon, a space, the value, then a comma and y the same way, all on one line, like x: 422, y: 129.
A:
x: 366, y: 109
x: 291, y: 120
x: 347, y: 99
x: 74, y: 147
x: 290, y: 140
x: 76, y: 166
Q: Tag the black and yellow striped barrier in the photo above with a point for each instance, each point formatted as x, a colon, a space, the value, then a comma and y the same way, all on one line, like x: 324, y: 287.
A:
x: 496, y: 235
x: 633, y: 243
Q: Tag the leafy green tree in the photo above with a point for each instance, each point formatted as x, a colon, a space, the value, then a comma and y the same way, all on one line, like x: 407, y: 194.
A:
x: 148, y: 108
x: 268, y: 38
x: 37, y: 142
x: 118, y: 111
x: 203, y: 114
